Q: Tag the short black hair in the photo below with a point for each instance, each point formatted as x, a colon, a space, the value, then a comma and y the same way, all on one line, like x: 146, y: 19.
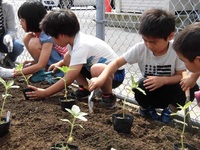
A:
x: 157, y: 23
x: 33, y: 13
x: 187, y: 42
x: 62, y: 21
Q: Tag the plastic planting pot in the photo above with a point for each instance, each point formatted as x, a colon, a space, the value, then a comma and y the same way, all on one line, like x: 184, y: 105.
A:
x: 71, y: 100
x: 4, y: 127
x: 122, y: 124
x: 60, y: 146
x: 26, y: 90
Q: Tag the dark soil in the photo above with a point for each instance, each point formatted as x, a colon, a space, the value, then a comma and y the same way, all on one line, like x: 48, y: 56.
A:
x: 36, y: 125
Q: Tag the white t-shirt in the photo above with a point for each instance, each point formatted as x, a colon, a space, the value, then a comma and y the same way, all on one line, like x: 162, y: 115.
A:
x: 150, y: 65
x: 89, y: 50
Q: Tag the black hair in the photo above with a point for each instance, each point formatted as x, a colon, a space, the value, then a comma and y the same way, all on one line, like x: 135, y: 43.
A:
x: 33, y: 13
x: 157, y: 23
x: 62, y: 21
x: 187, y: 42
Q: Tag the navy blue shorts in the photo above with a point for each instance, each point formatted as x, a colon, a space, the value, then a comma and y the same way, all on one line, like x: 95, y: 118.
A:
x: 118, y: 76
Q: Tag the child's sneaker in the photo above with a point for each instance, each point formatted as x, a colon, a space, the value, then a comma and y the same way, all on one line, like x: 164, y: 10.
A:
x: 82, y: 93
x: 108, y: 101
x: 149, y: 112
x: 165, y: 116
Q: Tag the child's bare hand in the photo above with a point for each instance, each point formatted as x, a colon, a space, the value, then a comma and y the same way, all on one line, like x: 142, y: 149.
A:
x: 36, y: 94
x: 153, y: 82
x: 94, y: 84
x: 53, y: 67
x: 187, y: 82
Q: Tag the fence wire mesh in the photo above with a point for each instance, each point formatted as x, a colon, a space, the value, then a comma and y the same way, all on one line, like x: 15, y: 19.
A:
x: 120, y: 22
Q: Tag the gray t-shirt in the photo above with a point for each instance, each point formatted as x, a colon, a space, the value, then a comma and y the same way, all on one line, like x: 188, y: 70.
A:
x: 150, y: 65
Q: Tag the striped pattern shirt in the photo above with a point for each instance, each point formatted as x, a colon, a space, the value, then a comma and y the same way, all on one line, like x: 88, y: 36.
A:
x: 1, y: 22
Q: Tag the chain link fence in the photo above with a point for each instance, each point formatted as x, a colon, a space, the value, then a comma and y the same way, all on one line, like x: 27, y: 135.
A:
x: 116, y: 22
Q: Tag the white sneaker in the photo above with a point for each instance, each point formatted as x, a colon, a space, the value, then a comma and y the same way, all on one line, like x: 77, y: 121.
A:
x: 6, y: 73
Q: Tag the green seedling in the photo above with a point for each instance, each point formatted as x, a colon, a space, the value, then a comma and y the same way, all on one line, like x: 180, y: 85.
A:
x: 65, y: 70
x: 77, y: 114
x: 133, y: 86
x: 19, y: 68
x: 7, y: 85
x: 184, y: 121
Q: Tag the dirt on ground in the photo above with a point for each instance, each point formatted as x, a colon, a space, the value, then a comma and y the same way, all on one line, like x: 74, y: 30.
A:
x: 36, y: 125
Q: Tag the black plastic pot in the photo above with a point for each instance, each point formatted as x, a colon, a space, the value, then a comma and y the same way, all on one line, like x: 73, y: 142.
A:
x: 60, y: 146
x: 177, y: 146
x: 4, y: 127
x: 26, y: 90
x: 71, y: 100
x: 122, y: 124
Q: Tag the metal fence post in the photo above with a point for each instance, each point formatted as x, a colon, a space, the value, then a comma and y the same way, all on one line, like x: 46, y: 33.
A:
x: 100, y: 19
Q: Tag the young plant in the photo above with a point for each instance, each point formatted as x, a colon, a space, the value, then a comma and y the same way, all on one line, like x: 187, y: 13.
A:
x: 77, y: 114
x: 65, y: 70
x: 133, y: 86
x: 19, y: 68
x: 7, y: 86
x: 184, y: 120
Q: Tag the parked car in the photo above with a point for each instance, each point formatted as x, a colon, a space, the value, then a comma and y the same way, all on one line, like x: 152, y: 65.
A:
x: 49, y: 4
x: 77, y: 3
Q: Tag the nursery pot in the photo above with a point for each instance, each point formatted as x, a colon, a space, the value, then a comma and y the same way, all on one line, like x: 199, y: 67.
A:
x: 4, y: 127
x: 60, y: 146
x: 26, y: 90
x: 177, y: 146
x: 71, y: 100
x: 122, y: 124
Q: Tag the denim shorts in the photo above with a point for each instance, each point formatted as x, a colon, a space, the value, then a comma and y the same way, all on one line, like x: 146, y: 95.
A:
x: 118, y: 76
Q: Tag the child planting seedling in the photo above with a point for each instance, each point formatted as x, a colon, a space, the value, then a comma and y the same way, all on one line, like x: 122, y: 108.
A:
x: 77, y: 114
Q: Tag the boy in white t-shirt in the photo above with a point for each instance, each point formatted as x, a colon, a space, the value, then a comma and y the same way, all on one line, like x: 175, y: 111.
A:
x: 87, y: 56
x: 160, y: 66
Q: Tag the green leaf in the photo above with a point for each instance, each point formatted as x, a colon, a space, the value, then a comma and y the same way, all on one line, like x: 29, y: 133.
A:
x: 19, y: 67
x: 82, y: 118
x: 66, y: 120
x: 80, y: 126
x: 3, y: 81
x: 134, y: 84
x: 187, y: 105
x: 75, y: 109
x: 10, y: 83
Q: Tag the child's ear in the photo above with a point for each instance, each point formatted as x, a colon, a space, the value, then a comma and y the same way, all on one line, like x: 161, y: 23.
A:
x: 198, y: 58
x: 170, y: 37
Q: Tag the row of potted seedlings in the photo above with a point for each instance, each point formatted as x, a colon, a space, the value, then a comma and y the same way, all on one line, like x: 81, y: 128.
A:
x: 122, y: 122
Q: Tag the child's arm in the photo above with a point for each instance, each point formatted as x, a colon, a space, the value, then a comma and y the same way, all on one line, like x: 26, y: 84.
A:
x: 189, y: 81
x: 45, y: 53
x: 58, y: 86
x: 110, y: 69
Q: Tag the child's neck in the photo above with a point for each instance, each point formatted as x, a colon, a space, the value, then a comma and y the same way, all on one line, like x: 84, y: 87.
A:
x: 164, y: 51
